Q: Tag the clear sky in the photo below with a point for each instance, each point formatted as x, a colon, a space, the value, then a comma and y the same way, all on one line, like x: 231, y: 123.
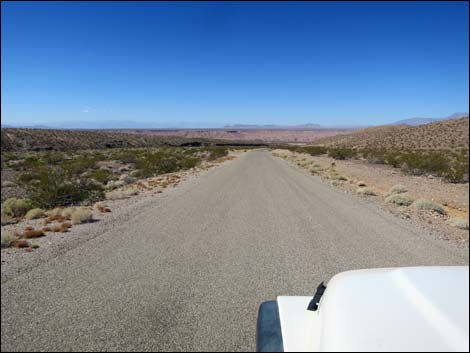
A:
x: 217, y: 63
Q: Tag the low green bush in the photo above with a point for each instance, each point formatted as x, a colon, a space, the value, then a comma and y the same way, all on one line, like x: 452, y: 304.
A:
x: 7, y: 238
x: 342, y: 153
x: 58, y: 188
x: 424, y: 204
x: 400, y: 200
x: 15, y: 207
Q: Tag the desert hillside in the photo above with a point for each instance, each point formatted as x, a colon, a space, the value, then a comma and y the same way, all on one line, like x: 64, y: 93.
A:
x: 244, y: 134
x: 43, y: 139
x: 450, y: 134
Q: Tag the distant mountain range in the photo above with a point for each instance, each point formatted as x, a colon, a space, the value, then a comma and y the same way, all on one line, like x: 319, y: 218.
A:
x: 422, y: 121
x: 119, y: 124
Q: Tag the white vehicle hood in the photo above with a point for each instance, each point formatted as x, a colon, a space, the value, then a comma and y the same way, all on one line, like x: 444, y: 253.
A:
x: 404, y: 309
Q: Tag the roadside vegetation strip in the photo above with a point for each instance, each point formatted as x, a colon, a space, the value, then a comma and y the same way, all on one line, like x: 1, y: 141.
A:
x: 452, y: 165
x: 398, y: 195
x: 51, y: 179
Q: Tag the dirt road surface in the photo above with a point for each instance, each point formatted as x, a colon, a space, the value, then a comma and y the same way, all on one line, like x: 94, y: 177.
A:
x: 190, y: 272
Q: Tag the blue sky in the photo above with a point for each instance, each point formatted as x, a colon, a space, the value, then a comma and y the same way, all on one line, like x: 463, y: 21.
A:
x: 212, y: 63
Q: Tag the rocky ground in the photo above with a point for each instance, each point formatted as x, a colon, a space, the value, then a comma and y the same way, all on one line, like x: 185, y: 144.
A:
x: 350, y: 175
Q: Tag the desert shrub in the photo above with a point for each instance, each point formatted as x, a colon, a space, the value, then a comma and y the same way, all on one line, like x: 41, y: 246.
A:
x: 53, y: 157
x: 217, y: 152
x: 27, y: 177
x: 424, y: 204
x: 361, y: 183
x: 374, y: 156
x: 79, y: 165
x: 67, y: 212
x: 6, y: 219
x: 342, y: 153
x: 101, y: 175
x: 14, y: 207
x: 335, y: 176
x: 316, y: 169
x: 365, y: 191
x: 81, y: 215
x: 7, y: 238
x: 34, y: 213
x: 400, y: 200
x: 458, y: 223
x: 458, y: 171
x: 121, y: 194
x: 418, y: 163
x: 58, y: 188
x: 55, y: 212
x: 315, y: 150
x: 398, y: 189
x: 162, y: 161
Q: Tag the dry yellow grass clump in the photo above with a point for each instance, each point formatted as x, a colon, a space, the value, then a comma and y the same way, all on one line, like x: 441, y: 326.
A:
x: 81, y: 215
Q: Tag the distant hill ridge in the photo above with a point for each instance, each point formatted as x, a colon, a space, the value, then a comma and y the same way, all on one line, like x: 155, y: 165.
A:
x: 273, y: 126
x: 422, y: 121
x: 16, y: 139
x: 448, y: 134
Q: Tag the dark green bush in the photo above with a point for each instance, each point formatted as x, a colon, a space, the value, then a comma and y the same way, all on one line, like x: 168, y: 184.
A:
x: 217, y: 152
x: 315, y: 150
x: 342, y: 153
x: 101, y: 175
x: 56, y: 187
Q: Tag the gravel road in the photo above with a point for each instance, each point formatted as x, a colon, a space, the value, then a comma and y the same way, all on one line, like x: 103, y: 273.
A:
x: 190, y: 272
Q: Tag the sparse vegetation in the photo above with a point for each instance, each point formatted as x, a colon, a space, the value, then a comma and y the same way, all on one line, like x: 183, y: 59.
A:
x: 424, y: 204
x: 67, y: 178
x: 452, y: 165
x: 7, y: 238
x: 366, y: 191
x: 121, y: 194
x: 34, y: 213
x: 458, y: 223
x: 398, y: 189
x: 81, y: 215
x: 15, y: 207
x: 400, y: 200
